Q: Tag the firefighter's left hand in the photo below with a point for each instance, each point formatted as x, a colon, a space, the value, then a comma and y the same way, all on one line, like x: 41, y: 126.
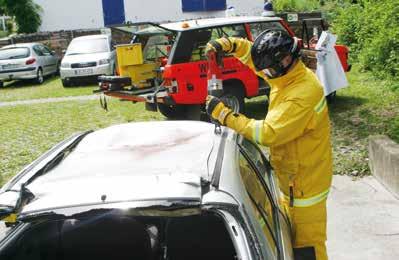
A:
x: 216, y: 109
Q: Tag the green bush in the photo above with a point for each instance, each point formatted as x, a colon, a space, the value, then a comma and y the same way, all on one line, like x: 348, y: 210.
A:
x: 371, y: 31
x: 26, y: 13
x: 346, y: 23
x: 295, y: 5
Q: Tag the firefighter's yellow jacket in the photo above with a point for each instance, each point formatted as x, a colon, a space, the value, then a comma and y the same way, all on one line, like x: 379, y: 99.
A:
x: 297, y: 130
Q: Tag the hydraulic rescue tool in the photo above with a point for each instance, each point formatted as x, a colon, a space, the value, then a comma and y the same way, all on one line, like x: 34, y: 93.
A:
x: 215, y: 83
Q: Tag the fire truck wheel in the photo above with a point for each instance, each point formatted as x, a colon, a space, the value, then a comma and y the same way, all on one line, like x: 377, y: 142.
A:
x: 172, y: 111
x: 193, y: 112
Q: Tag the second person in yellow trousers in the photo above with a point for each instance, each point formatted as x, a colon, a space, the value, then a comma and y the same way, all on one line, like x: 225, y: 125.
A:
x: 296, y: 128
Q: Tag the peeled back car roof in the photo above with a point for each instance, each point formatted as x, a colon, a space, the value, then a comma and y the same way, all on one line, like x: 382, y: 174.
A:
x: 149, y: 160
x: 214, y: 22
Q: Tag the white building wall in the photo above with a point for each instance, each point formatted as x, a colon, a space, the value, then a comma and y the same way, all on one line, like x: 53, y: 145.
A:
x: 171, y: 10
x: 88, y: 14
x: 71, y: 14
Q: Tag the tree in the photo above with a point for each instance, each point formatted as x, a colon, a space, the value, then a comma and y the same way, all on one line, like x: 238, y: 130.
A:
x: 26, y: 13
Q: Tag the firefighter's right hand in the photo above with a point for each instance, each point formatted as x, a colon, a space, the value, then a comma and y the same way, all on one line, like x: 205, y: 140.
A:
x: 215, y: 48
x: 216, y: 109
x: 209, y: 49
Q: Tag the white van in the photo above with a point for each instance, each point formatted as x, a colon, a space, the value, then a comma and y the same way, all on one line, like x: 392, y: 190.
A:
x: 87, y: 57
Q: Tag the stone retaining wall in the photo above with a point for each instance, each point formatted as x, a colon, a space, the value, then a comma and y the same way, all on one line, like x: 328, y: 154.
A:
x: 57, y: 41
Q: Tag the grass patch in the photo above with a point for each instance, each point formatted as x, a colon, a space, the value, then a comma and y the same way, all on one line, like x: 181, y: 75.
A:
x: 3, y: 34
x: 29, y: 131
x: 367, y: 107
x: 52, y: 87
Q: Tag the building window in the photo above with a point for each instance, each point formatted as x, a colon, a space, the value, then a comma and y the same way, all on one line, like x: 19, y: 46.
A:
x: 203, y: 5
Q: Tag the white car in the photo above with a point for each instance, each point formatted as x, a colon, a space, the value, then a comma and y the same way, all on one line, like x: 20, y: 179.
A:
x: 27, y: 61
x: 87, y: 57
x: 131, y: 191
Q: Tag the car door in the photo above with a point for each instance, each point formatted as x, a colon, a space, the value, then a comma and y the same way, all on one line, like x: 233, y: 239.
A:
x: 40, y: 57
x: 49, y: 62
x: 52, y: 59
x: 263, y: 190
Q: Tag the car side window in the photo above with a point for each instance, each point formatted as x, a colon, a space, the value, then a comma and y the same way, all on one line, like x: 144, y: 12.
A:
x: 46, y: 50
x: 258, y: 160
x: 38, y: 50
x: 204, y: 36
x: 156, y: 47
x: 260, y: 200
x: 257, y: 28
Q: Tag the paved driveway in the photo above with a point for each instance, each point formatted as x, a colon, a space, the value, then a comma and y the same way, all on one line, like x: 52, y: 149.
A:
x: 363, y: 220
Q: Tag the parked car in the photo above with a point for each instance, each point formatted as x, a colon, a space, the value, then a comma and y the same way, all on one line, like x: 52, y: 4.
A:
x: 132, y: 191
x: 27, y: 61
x: 87, y: 57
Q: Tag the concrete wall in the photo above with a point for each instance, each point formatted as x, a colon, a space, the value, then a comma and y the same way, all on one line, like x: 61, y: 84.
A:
x: 71, y: 14
x: 384, y: 162
x: 88, y: 14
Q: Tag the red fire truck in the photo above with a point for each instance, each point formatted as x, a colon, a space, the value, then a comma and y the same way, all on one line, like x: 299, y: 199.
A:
x: 165, y: 65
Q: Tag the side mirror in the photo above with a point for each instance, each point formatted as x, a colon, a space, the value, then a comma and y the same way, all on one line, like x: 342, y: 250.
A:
x: 113, y: 45
x: 53, y: 53
x: 63, y: 51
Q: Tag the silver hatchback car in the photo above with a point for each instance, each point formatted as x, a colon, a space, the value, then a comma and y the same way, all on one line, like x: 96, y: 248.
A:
x: 154, y: 190
x: 27, y: 61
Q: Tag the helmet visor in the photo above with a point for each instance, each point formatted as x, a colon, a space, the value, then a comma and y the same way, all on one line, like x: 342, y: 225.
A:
x: 264, y: 64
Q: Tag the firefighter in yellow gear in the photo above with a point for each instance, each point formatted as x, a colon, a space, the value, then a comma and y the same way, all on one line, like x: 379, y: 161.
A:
x: 296, y: 128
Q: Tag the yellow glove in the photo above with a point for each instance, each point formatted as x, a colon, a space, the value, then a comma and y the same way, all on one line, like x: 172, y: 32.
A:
x: 217, y: 110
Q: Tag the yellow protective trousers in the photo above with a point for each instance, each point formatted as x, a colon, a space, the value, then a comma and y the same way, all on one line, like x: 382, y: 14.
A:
x: 297, y: 130
x: 309, y: 227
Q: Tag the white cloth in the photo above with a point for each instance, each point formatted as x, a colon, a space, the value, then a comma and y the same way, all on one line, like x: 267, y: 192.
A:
x: 329, y: 68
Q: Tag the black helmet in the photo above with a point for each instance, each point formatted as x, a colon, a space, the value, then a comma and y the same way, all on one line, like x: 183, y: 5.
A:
x: 271, y: 47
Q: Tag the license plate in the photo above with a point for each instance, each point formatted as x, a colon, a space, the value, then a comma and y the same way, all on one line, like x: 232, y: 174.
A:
x: 10, y: 66
x: 84, y: 72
